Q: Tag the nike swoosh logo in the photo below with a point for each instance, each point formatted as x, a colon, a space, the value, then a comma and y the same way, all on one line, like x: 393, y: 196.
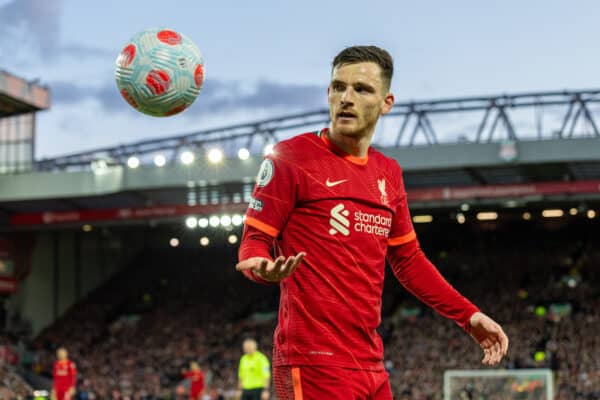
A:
x: 334, y: 183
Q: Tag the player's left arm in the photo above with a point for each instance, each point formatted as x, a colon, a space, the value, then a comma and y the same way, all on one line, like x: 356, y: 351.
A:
x: 420, y: 277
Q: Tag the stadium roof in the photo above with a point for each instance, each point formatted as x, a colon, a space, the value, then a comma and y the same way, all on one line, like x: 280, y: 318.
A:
x: 18, y: 96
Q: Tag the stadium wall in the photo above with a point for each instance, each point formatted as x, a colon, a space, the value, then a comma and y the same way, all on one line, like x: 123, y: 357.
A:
x: 67, y: 266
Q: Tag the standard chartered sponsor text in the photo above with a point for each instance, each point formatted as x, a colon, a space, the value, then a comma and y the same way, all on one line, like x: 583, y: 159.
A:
x: 375, y: 224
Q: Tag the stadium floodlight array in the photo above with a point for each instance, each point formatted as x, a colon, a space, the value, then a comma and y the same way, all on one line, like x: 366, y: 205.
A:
x: 203, y: 241
x: 187, y: 157
x: 227, y: 221
x: 522, y: 384
x: 214, y: 221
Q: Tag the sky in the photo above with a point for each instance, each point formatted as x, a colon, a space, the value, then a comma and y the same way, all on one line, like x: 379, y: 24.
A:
x: 273, y: 57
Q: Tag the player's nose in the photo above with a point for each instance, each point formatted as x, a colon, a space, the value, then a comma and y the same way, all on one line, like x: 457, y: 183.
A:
x: 346, y: 97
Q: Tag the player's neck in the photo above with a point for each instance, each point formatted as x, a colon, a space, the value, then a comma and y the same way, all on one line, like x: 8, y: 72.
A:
x: 355, y: 146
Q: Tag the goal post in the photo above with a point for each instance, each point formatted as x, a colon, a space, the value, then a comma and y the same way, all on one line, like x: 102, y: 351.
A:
x: 518, y: 384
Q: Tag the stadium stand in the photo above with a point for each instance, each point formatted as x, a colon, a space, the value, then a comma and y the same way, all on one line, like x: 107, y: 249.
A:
x: 131, y: 337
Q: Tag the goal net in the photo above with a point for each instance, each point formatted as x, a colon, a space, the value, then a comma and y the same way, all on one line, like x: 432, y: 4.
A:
x: 518, y: 384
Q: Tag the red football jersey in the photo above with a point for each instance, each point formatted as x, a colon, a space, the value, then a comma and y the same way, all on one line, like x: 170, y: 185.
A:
x: 197, y: 382
x: 344, y: 212
x: 65, y: 375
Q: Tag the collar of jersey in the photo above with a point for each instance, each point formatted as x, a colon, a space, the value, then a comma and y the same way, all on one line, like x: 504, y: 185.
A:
x: 341, y: 152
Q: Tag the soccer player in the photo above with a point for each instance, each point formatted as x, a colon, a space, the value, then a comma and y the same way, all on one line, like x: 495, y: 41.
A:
x: 334, y: 208
x: 254, y: 373
x: 65, y: 376
x: 196, y: 377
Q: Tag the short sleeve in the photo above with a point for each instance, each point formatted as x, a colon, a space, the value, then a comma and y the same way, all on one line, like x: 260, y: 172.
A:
x: 402, y: 228
x: 274, y: 195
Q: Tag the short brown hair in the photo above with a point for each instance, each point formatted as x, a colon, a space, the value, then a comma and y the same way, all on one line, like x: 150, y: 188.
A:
x: 358, y: 54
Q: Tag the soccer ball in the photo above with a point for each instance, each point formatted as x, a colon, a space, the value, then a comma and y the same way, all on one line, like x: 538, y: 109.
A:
x: 160, y: 72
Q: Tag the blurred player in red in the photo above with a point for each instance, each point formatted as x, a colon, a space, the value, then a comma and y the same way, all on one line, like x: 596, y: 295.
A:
x: 334, y: 209
x: 196, y: 377
x: 65, y: 376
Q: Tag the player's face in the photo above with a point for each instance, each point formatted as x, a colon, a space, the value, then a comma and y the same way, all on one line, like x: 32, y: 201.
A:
x: 61, y: 354
x: 357, y: 97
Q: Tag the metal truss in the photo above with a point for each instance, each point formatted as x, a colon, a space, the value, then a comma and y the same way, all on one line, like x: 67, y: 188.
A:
x: 474, y: 119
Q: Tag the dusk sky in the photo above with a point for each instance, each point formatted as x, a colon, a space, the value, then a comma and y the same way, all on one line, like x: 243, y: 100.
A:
x: 268, y: 58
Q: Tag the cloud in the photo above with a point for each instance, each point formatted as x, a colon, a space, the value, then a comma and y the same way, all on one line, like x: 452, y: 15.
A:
x: 33, y: 26
x: 215, y: 96
x: 85, y: 51
x: 40, y: 17
x: 262, y: 94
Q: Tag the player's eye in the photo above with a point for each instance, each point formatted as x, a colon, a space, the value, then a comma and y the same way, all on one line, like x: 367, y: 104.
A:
x: 362, y: 89
x: 338, y: 87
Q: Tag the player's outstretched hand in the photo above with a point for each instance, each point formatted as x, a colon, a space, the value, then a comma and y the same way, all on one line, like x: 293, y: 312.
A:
x: 272, y: 271
x: 491, y: 338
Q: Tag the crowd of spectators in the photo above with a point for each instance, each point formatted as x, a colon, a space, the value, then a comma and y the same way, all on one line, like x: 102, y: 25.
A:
x: 12, y: 385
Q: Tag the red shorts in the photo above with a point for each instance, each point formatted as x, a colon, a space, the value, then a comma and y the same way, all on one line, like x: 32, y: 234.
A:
x: 195, y: 395
x: 332, y: 383
x: 62, y: 394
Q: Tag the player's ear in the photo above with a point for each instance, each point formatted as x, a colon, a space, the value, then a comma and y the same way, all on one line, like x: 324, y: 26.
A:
x: 388, y: 103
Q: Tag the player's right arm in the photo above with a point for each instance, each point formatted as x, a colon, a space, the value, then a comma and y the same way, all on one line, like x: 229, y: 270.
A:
x: 266, y: 270
x: 273, y: 199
